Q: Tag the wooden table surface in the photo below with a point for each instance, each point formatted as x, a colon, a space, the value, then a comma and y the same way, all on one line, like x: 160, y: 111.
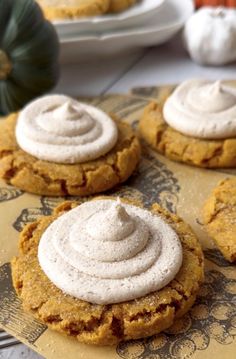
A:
x: 165, y: 64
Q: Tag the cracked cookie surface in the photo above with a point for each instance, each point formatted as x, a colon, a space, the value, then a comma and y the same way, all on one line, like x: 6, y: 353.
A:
x: 72, y: 9
x: 105, y: 324
x: 30, y: 174
x: 178, y: 147
x: 219, y: 216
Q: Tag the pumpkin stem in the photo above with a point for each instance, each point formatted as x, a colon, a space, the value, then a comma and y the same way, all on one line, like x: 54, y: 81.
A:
x: 5, y: 65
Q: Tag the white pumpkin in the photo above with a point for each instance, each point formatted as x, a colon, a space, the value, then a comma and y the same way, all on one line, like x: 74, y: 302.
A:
x: 210, y: 36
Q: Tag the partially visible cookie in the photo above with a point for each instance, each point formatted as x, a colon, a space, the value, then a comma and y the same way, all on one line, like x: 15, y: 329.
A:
x: 178, y: 147
x: 30, y: 174
x: 219, y: 215
x: 69, y: 9
x: 72, y: 9
x: 105, y: 324
x: 120, y: 5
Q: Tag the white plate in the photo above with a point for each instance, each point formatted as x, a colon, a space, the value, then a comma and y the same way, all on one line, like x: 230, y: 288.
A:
x: 138, y: 14
x: 161, y: 28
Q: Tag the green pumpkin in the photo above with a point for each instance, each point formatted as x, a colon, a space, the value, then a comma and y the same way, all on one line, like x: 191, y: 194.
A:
x: 29, y: 52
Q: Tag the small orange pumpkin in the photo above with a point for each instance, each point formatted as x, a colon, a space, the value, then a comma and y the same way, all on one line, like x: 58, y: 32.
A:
x: 226, y: 3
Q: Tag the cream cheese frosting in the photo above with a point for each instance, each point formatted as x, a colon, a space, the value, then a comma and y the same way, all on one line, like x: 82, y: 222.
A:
x: 59, y: 129
x: 202, y: 109
x: 105, y: 252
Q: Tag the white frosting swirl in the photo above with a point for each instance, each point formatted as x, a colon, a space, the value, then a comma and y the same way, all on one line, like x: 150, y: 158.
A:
x: 57, y: 128
x: 106, y: 252
x: 202, y: 109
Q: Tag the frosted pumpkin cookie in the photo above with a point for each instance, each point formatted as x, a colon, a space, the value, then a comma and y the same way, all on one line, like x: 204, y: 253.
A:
x: 59, y: 146
x: 105, y: 270
x: 72, y: 9
x: 219, y: 215
x: 195, y: 125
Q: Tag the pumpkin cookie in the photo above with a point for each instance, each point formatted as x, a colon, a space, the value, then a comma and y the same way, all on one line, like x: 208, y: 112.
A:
x: 219, y: 215
x: 107, y: 324
x: 51, y: 164
x: 181, y: 144
x: 72, y: 9
x: 59, y: 9
x: 120, y: 5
